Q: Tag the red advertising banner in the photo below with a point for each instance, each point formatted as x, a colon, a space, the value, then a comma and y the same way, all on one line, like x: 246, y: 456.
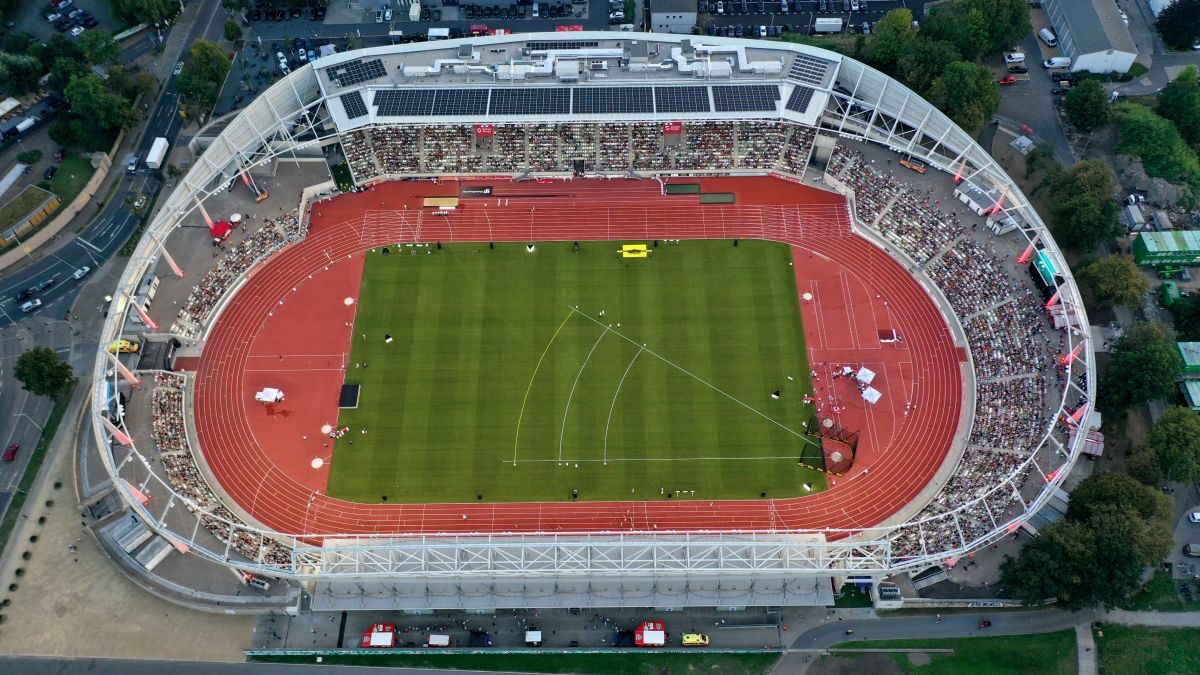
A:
x: 484, y: 130
x: 672, y: 127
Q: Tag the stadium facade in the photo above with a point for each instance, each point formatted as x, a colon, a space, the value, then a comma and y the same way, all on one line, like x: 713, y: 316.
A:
x: 594, y: 78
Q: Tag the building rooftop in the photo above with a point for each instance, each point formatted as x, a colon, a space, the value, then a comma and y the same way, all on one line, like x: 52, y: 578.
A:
x: 1167, y: 242
x: 1096, y: 26
x: 673, y: 6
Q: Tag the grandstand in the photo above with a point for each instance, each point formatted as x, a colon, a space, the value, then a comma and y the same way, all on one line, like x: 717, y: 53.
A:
x: 639, y: 108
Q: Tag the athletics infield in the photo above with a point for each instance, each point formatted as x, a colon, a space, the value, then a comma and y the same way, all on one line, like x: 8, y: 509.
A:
x: 292, y: 326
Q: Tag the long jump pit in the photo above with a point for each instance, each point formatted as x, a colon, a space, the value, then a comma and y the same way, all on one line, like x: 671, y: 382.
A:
x: 844, y: 435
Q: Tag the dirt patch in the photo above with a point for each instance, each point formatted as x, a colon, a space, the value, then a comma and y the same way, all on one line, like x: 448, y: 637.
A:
x: 876, y: 664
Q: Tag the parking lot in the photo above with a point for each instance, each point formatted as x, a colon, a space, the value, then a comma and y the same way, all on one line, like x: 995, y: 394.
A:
x: 749, y: 18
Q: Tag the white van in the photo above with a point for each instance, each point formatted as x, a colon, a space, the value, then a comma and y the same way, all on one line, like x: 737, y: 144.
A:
x: 1057, y: 62
x: 1047, y: 36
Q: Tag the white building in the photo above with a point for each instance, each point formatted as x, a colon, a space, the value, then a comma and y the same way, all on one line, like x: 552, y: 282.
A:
x: 1093, y: 34
x: 672, y: 16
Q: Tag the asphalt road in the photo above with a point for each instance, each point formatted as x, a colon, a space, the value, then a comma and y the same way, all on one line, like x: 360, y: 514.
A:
x: 110, y: 229
x: 31, y: 665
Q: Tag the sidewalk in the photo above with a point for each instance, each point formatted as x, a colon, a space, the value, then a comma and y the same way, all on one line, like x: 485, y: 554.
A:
x: 1085, y: 650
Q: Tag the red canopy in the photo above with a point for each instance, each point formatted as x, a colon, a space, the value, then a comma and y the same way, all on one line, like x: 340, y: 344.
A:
x: 220, y: 229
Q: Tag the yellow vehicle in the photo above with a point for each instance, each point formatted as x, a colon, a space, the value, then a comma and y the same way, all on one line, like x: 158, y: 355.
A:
x: 695, y: 640
x: 124, y: 347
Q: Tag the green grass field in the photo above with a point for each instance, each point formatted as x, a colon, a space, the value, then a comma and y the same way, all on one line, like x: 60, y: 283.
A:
x: 495, y: 385
x: 642, y: 663
x: 1148, y: 650
x: 1045, y: 653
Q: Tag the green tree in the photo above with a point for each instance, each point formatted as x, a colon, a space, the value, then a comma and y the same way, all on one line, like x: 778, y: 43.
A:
x: 63, y: 71
x: 1087, y: 106
x: 1179, y: 102
x: 1082, y: 209
x: 1145, y: 365
x: 966, y: 93
x: 1114, y: 528
x: 42, y: 372
x: 19, y: 73
x: 233, y: 32
x: 237, y: 6
x: 1179, y: 23
x: 1005, y: 21
x: 68, y: 131
x: 893, y: 36
x: 923, y: 62
x: 1115, y: 280
x: 208, y: 61
x: 152, y: 12
x: 1174, y: 440
x: 91, y: 100
x: 99, y: 47
x: 1156, y: 141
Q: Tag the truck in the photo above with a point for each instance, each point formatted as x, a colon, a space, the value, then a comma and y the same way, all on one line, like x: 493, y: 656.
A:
x: 438, y: 34
x: 827, y: 25
x: 158, y: 152
x: 8, y: 105
x: 380, y: 636
x: 650, y: 634
x: 414, y: 11
x: 26, y: 124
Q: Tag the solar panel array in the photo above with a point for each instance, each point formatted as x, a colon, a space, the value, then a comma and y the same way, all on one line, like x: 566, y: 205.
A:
x: 563, y: 44
x: 404, y: 102
x: 681, y: 99
x: 752, y: 98
x: 809, y: 69
x: 800, y: 98
x: 610, y: 100
x: 472, y: 102
x: 531, y: 101
x: 355, y: 72
x: 353, y: 104
x: 518, y: 101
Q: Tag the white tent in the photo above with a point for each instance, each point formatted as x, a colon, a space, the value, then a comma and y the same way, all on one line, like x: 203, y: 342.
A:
x: 533, y: 638
x: 871, y: 395
x: 269, y: 395
x: 865, y: 375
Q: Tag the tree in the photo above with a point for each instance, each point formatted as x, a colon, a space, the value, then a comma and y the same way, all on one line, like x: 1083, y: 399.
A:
x: 1156, y: 141
x: 42, y: 372
x: 209, y: 61
x: 63, y: 71
x: 1145, y: 365
x: 1179, y: 23
x: 1087, y: 106
x: 1082, y: 209
x: 152, y: 12
x: 894, y: 35
x: 965, y: 91
x: 68, y: 131
x: 1179, y: 102
x: 91, y: 100
x: 1114, y: 528
x: 955, y: 24
x: 923, y: 62
x: 237, y: 6
x: 1174, y: 441
x: 233, y: 32
x: 1115, y: 280
x: 99, y: 47
x: 29, y: 156
x: 19, y: 73
x: 1005, y: 21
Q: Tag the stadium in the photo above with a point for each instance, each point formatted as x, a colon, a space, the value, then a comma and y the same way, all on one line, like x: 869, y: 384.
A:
x: 619, y: 320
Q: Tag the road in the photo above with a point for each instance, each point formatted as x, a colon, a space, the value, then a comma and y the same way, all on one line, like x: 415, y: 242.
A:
x: 109, y: 229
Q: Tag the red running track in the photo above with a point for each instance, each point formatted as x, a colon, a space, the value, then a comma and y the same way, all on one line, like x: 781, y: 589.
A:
x: 290, y: 326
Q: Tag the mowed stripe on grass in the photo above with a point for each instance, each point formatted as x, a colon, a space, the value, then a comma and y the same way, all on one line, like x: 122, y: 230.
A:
x: 457, y: 407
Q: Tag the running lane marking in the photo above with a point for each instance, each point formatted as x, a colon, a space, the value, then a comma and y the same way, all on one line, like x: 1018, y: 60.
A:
x: 517, y: 438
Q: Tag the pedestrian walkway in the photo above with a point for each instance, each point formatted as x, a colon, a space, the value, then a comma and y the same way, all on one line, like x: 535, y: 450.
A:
x: 1085, y: 648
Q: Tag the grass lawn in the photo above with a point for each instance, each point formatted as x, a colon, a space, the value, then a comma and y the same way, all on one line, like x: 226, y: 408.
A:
x: 495, y: 385
x: 1042, y: 653
x: 584, y: 664
x: 1161, y: 594
x: 1149, y: 651
x: 853, y: 597
x: 73, y: 173
x: 20, y: 206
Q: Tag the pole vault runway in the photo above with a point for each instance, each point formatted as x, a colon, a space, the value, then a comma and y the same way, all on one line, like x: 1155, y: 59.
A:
x: 291, y: 324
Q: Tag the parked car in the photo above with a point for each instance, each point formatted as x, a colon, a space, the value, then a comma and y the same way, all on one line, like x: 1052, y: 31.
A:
x: 178, y: 68
x: 1059, y: 91
x: 77, y: 31
x: 1007, y: 80
x: 10, y: 453
x: 1018, y: 69
x: 81, y: 272
x: 49, y: 172
x: 1014, y: 57
x: 60, y: 154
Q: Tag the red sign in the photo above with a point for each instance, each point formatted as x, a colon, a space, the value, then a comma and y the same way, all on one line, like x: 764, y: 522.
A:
x: 485, y: 130
x: 569, y: 28
x: 672, y: 128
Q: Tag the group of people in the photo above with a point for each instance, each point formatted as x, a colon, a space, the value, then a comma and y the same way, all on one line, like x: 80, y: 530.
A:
x: 170, y: 437
x: 1013, y: 347
x: 238, y: 258
x: 609, y: 147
